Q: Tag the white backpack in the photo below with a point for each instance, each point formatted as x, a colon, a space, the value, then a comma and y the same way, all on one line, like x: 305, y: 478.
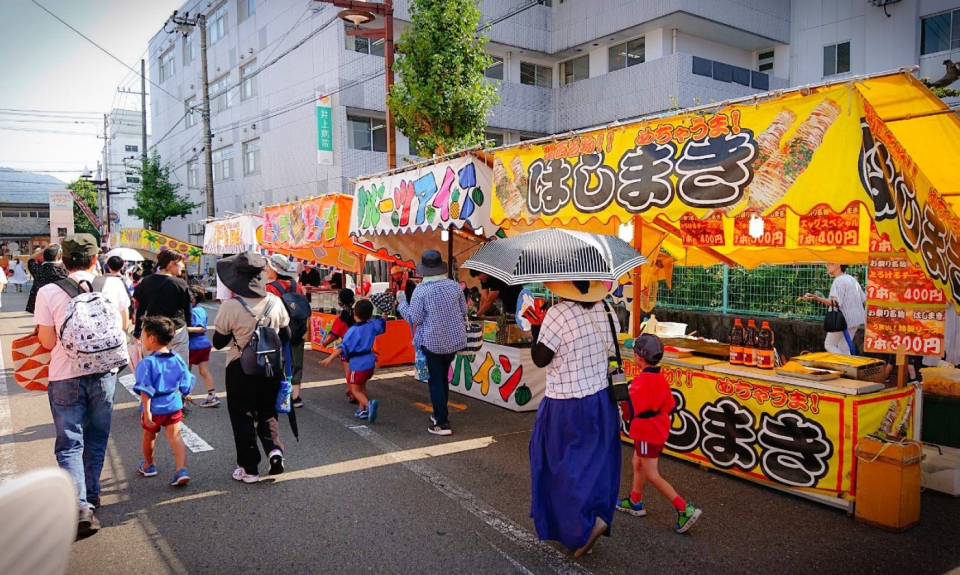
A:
x: 92, y: 334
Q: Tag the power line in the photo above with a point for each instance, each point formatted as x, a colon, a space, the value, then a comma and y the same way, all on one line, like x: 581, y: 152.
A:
x: 101, y: 48
x: 56, y: 112
x: 41, y: 131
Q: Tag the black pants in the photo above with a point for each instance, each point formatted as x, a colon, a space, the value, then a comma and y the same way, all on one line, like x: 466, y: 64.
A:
x: 438, y: 364
x: 252, y: 405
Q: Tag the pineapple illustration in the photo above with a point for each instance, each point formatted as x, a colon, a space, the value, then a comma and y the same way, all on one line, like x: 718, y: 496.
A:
x: 455, y: 205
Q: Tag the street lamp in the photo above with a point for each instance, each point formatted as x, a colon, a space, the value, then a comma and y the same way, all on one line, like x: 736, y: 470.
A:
x: 358, y: 12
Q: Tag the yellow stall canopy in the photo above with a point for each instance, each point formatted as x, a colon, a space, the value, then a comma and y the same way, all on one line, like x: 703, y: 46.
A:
x: 150, y: 243
x: 786, y: 177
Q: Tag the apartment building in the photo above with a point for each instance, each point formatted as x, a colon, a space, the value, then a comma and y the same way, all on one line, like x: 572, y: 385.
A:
x: 560, y: 65
x: 123, y: 151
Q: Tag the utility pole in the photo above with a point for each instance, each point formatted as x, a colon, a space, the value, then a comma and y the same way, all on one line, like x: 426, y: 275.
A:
x: 143, y: 111
x: 200, y: 21
x: 106, y: 175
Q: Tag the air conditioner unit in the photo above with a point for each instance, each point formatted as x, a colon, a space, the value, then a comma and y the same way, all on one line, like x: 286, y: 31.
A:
x: 196, y: 228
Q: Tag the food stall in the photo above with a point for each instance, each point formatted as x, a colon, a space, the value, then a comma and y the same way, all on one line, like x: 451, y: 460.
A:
x: 316, y: 231
x: 227, y: 236
x: 788, y: 177
x: 150, y: 243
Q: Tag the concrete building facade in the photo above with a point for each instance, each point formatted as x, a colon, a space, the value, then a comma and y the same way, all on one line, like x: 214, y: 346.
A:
x: 123, y: 151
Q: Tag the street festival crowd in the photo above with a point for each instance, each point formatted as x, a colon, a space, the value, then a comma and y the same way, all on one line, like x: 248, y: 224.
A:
x: 79, y: 300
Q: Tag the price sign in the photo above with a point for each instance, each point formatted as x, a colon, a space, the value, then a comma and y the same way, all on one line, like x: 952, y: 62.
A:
x: 822, y: 227
x: 705, y: 232
x: 774, y: 231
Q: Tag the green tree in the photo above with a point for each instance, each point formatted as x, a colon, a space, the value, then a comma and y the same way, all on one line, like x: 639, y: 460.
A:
x: 440, y: 101
x: 87, y: 193
x: 157, y: 199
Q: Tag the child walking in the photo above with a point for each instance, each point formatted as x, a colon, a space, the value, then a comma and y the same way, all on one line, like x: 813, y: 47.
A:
x: 162, y: 380
x: 344, y: 321
x: 200, y: 345
x: 357, y: 349
x: 650, y: 405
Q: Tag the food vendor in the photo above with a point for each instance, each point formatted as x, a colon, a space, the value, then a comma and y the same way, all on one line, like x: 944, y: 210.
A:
x: 492, y: 289
x: 400, y: 282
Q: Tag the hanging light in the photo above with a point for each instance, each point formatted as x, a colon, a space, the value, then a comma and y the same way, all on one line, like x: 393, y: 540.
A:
x: 356, y: 17
x: 445, y: 235
x: 756, y: 226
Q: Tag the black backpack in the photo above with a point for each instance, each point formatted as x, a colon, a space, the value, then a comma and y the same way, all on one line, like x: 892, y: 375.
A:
x: 263, y: 354
x: 297, y: 307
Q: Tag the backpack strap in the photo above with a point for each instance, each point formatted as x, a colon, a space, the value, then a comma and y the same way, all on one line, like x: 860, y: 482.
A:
x: 278, y: 286
x: 69, y: 286
x: 98, y: 283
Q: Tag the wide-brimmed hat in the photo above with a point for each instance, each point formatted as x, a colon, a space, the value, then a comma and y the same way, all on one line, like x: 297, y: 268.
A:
x: 431, y: 264
x: 596, y: 292
x: 283, y: 266
x: 243, y: 274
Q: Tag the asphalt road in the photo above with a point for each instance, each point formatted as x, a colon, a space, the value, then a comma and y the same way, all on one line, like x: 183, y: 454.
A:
x: 390, y: 498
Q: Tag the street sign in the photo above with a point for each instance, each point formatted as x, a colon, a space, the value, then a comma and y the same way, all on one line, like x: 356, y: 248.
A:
x: 324, y: 130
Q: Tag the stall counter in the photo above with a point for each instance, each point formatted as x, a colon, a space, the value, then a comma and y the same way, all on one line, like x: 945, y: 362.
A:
x: 787, y: 433
x: 395, y: 347
x: 501, y: 375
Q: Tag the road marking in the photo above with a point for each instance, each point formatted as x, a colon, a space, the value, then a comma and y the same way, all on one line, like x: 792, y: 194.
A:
x: 516, y: 564
x: 342, y: 381
x: 384, y: 459
x: 193, y: 441
x: 8, y: 463
x: 451, y: 406
x: 557, y: 561
x: 186, y: 498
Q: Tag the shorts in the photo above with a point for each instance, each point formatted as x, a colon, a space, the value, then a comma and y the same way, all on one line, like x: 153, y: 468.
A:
x: 163, y: 420
x: 198, y: 356
x: 359, y: 377
x: 648, y: 450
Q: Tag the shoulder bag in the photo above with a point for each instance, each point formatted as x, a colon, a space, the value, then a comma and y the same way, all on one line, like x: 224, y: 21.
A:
x: 617, y: 380
x: 834, y: 321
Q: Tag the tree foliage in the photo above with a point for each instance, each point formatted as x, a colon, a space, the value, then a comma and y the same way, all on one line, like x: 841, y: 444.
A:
x: 440, y: 101
x: 88, y: 193
x: 157, y: 199
x: 940, y: 92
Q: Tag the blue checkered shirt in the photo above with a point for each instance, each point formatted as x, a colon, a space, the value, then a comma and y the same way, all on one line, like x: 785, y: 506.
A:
x: 438, y: 309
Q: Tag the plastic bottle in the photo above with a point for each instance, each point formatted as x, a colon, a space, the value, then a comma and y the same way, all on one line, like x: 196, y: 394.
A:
x: 750, y: 344
x: 736, y: 343
x: 765, y: 346
x: 651, y: 325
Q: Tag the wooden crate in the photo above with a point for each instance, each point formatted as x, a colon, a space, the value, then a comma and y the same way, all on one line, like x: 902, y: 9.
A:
x: 888, y: 484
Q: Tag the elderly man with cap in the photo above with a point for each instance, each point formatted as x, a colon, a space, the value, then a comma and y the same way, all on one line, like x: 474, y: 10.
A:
x: 281, y: 278
x: 438, y: 310
x: 81, y: 403
x: 575, y: 452
x: 251, y: 399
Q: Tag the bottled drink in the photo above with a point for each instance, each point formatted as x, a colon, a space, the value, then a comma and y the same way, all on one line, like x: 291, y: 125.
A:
x: 736, y: 343
x: 651, y: 325
x: 750, y: 344
x: 765, y: 346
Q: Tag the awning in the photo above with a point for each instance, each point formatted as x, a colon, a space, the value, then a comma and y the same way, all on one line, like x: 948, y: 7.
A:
x: 233, y: 235
x: 149, y: 243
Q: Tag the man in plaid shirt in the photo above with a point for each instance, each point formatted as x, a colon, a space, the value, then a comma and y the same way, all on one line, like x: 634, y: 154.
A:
x: 438, y: 310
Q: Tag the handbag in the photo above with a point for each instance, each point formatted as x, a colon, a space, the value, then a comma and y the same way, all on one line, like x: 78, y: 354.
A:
x: 31, y: 362
x: 834, y: 320
x: 616, y: 378
x: 474, y: 337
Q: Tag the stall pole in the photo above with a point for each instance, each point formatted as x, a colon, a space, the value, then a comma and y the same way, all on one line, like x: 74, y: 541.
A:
x: 637, y: 245
x: 450, y: 254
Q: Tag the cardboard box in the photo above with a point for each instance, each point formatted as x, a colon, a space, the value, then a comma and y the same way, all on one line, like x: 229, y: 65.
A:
x: 888, y: 484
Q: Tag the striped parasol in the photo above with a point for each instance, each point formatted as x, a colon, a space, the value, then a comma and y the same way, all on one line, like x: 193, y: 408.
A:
x: 555, y: 255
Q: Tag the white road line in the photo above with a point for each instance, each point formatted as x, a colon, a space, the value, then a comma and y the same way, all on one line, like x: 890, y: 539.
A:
x: 193, y: 441
x: 8, y: 463
x: 516, y: 564
x: 557, y: 561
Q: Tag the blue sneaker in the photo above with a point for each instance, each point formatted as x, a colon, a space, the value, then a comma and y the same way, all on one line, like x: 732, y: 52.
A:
x: 372, y: 407
x: 180, y: 478
x: 357, y: 413
x: 363, y: 414
x: 147, y: 471
x: 628, y: 506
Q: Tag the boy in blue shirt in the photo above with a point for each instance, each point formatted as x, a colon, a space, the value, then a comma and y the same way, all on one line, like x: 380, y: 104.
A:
x: 163, y: 378
x: 200, y: 345
x: 357, y: 349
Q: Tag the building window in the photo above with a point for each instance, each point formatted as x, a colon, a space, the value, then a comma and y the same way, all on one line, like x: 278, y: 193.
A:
x: 188, y: 53
x: 251, y: 157
x: 574, y: 70
x: 248, y: 85
x: 166, y: 65
x: 246, y: 8
x: 133, y: 180
x: 61, y: 232
x: 367, y: 134
x: 132, y: 212
x: 536, y: 75
x: 190, y: 111
x: 364, y: 45
x: 222, y: 164
x: 940, y: 32
x: 493, y: 139
x: 765, y: 62
x: 836, y: 59
x: 217, y: 24
x: 627, y: 54
x: 193, y: 174
x: 495, y: 70
x: 221, y: 97
x: 129, y: 148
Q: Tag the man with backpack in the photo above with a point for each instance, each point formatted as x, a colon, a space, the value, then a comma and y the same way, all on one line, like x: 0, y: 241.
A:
x: 85, y: 329
x: 281, y: 283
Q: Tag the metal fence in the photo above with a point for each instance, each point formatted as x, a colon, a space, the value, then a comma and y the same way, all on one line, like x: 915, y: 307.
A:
x: 774, y: 290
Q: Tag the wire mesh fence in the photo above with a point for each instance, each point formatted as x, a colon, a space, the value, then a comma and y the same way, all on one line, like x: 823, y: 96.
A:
x: 774, y: 290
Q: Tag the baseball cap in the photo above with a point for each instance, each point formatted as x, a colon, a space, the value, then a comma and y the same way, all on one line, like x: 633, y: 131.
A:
x: 649, y: 347
x: 83, y: 244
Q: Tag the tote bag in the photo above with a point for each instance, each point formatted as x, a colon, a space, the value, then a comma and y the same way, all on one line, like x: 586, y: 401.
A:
x: 31, y: 362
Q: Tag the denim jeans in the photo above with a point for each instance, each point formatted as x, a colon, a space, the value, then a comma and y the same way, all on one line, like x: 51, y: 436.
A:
x: 438, y: 364
x: 82, y: 409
